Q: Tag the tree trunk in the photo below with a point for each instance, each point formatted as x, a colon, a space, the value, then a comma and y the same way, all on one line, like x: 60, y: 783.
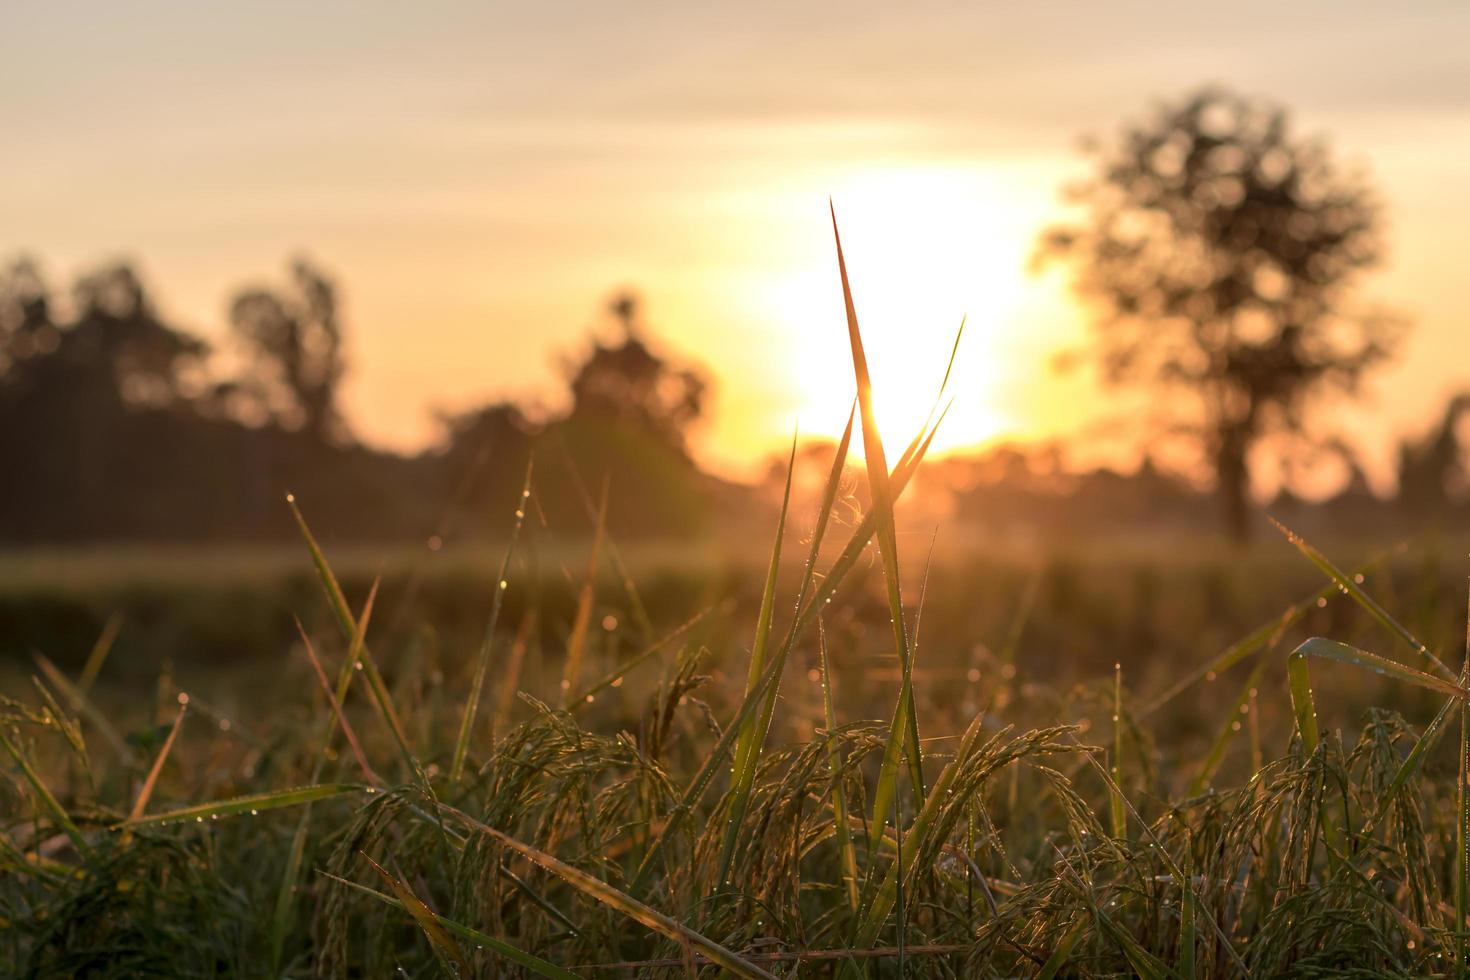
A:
x: 1233, y: 485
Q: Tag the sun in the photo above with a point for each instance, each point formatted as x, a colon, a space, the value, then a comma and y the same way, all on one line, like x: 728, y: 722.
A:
x: 926, y: 246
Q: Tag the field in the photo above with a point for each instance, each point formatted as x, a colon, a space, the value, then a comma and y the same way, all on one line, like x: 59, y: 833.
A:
x: 865, y: 754
x: 186, y: 798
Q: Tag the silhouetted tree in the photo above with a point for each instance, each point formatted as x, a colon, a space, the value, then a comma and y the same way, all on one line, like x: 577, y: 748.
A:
x: 628, y: 383
x: 1216, y: 253
x: 26, y: 325
x: 295, y: 339
x: 1432, y: 468
x: 118, y: 332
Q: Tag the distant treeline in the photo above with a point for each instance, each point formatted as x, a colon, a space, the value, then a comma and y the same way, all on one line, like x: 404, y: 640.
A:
x: 118, y: 426
x: 115, y: 425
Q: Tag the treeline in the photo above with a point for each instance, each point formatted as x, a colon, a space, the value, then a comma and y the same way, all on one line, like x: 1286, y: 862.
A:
x: 117, y: 425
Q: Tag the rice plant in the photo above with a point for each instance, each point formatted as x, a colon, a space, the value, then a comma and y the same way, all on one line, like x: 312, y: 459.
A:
x: 513, y: 818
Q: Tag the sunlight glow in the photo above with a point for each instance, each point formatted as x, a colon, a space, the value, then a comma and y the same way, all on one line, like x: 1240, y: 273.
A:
x: 925, y: 246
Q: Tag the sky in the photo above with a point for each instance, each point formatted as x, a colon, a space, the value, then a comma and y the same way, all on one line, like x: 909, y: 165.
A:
x: 481, y: 177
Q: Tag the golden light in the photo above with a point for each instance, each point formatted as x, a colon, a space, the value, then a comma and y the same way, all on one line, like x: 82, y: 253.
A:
x: 925, y: 246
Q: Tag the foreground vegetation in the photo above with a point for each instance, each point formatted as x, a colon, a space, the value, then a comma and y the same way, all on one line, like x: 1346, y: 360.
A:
x: 669, y: 810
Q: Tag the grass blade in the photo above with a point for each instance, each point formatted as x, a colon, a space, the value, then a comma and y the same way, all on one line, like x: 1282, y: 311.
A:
x: 845, y: 846
x: 577, y: 642
x: 336, y: 705
x: 611, y: 678
x: 752, y: 733
x: 83, y: 706
x: 916, y: 837
x: 350, y: 632
x: 1332, y: 650
x: 882, y: 499
x: 146, y: 791
x: 99, y: 652
x: 1349, y: 584
x: 482, y: 664
x: 533, y: 963
x: 1115, y: 799
x: 622, y: 902
x: 444, y: 945
x: 252, y: 804
x: 48, y: 801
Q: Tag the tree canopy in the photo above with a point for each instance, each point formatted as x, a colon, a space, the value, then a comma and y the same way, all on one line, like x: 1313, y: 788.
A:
x: 1216, y: 252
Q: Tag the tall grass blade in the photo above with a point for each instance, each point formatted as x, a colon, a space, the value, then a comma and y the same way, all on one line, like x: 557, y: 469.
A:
x: 1349, y: 585
x: 1187, y: 938
x: 511, y: 683
x: 845, y: 849
x: 577, y: 641
x: 146, y: 790
x: 752, y: 735
x: 906, y: 718
x: 98, y: 654
x: 1239, y: 707
x: 482, y: 663
x: 696, y: 788
x: 291, y: 874
x: 916, y: 838
x: 350, y: 632
x: 1115, y: 799
x: 337, y: 713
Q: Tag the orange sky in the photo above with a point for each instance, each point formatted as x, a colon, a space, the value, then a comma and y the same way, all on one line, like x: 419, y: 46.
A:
x: 479, y: 177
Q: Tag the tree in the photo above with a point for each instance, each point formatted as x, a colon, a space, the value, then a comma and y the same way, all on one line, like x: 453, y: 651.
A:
x: 295, y: 340
x: 629, y: 384
x: 26, y: 325
x: 1432, y: 470
x: 1217, y: 252
x: 117, y: 333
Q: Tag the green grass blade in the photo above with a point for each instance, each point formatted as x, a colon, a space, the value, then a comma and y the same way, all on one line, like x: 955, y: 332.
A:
x: 482, y: 663
x: 1299, y: 680
x: 582, y: 622
x: 621, y: 671
x: 882, y: 500
x: 1349, y: 585
x: 286, y: 893
x: 916, y: 838
x: 82, y: 705
x: 1060, y: 955
x: 845, y: 848
x: 1119, y: 819
x: 533, y: 963
x: 48, y: 802
x: 1410, y: 766
x: 254, y: 803
x: 695, y: 790
x: 99, y: 652
x: 1341, y: 652
x: 622, y: 902
x: 751, y: 738
x: 350, y: 633
x: 448, y: 951
x: 1187, y: 938
x: 1238, y: 707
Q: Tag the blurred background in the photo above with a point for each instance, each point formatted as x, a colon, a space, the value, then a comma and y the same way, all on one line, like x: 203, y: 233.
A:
x: 1208, y: 262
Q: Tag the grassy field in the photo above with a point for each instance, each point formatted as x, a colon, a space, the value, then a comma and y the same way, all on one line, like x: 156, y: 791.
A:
x: 849, y: 760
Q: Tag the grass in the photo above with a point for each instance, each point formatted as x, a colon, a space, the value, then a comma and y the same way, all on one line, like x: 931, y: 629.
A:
x: 717, y: 801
